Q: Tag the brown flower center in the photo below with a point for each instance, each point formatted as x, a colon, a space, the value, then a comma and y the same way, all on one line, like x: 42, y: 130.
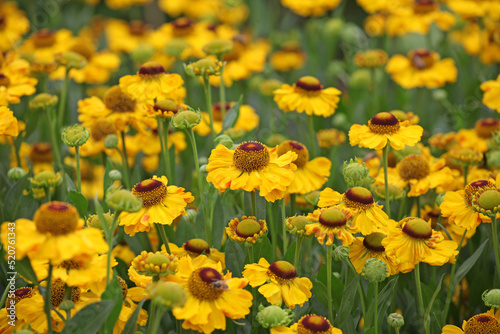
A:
x: 41, y: 152
x: 282, y: 270
x: 482, y: 324
x: 200, y: 284
x: 373, y: 242
x: 101, y: 128
x: 197, y: 246
x: 151, y: 192
x: 424, y: 6
x: 217, y: 110
x: 251, y: 156
x: 137, y: 28
x: 422, y: 59
x: 83, y: 50
x: 57, y: 218
x: 413, y: 167
x: 417, y: 228
x: 117, y: 101
x: 124, y: 286
x: 309, y: 83
x: 44, y: 38
x: 19, y: 294
x: 358, y: 198
x: 332, y: 217
x: 57, y: 291
x: 301, y: 150
x: 151, y: 68
x: 183, y: 26
x: 384, y: 123
x: 313, y: 324
x: 472, y: 187
x: 486, y: 127
x: 4, y: 80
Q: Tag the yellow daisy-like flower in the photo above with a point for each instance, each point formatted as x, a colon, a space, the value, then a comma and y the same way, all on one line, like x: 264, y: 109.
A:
x: 246, y: 230
x: 331, y: 223
x: 367, y: 215
x: 370, y: 247
x: 213, y: 296
x: 491, y: 97
x: 279, y: 282
x: 421, y: 68
x: 310, y: 7
x: 371, y: 58
x: 309, y: 324
x: 56, y: 234
x: 384, y: 127
x: 13, y: 26
x: 251, y: 166
x: 290, y: 57
x: 310, y: 175
x: 247, y: 120
x: 474, y: 9
x: 8, y: 123
x: 15, y: 79
x: 195, y: 248
x: 307, y: 95
x: 160, y: 204
x: 127, y: 36
x: 330, y: 137
x: 152, y: 83
x: 480, y: 323
x: 457, y: 206
x: 415, y: 241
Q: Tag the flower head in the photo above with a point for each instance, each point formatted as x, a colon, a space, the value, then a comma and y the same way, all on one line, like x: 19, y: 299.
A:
x: 330, y: 223
x: 247, y: 230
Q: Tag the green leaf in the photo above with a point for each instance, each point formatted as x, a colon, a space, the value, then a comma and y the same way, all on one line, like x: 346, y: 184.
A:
x: 15, y: 198
x: 433, y: 298
x: 112, y: 293
x: 232, y: 115
x: 290, y: 253
x: 235, y: 258
x: 468, y: 264
x: 348, y: 298
x: 80, y: 202
x: 266, y: 250
x: 132, y: 321
x: 69, y: 183
x: 24, y: 268
x: 319, y: 291
x: 384, y: 300
x: 90, y: 318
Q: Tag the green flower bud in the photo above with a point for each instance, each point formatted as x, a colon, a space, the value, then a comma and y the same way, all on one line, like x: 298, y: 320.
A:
x: 312, y: 198
x: 204, y: 67
x: 169, y: 294
x: 395, y: 320
x: 24, y: 331
x: 406, y: 151
x: 493, y: 158
x: 218, y: 47
x: 341, y: 253
x: 491, y: 298
x: 351, y: 33
x: 95, y: 221
x: 191, y: 215
x: 46, y: 179
x: 203, y: 170
x: 224, y: 140
x: 43, y: 101
x: 297, y: 224
x: 234, y: 133
x: 440, y: 199
x: 269, y: 86
x: 67, y: 305
x: 394, y: 191
x: 333, y: 27
x: 75, y: 135
x: 16, y: 173
x: 274, y: 316
x: 186, y: 119
x: 335, y: 69
x: 115, y: 175
x: 111, y: 141
x: 71, y: 59
x: 340, y: 121
x: 375, y: 270
x: 175, y: 47
x: 123, y: 200
x: 360, y: 79
x: 354, y: 171
x: 275, y: 139
x: 142, y: 53
x: 439, y: 95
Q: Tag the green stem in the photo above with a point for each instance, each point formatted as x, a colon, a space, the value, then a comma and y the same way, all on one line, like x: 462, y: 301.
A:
x: 274, y: 228
x: 374, y: 92
x: 419, y: 300
x: 293, y: 204
x: 329, y: 281
x: 54, y: 142
x: 163, y: 236
x: 156, y: 315
x: 78, y: 174
x: 376, y: 307
x: 297, y: 253
x: 283, y: 224
x: 208, y: 99
x: 222, y: 94
x: 417, y: 201
x: 163, y: 136
x: 466, y: 171
x: 360, y: 289
x: 206, y: 220
x: 109, y: 236
x: 386, y: 182
x: 312, y: 133
x: 125, y: 161
x: 62, y: 100
x: 46, y: 306
x: 253, y: 195
x: 494, y: 232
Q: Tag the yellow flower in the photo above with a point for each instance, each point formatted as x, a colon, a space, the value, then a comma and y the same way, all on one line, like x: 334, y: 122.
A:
x: 415, y: 241
x: 56, y: 234
x: 279, y: 282
x: 310, y: 324
x: 330, y: 223
x: 491, y: 97
x: 127, y: 36
x: 99, y: 66
x: 14, y: 25
x: 8, y: 123
x: 370, y: 58
x: 367, y: 215
x: 370, y: 247
x: 150, y: 145
x: 308, y: 95
x: 248, y: 229
x: 382, y: 128
x: 247, y: 120
x: 310, y: 7
x: 251, y: 166
x: 213, y: 296
x: 195, y: 248
x: 474, y: 9
x: 290, y: 57
x: 421, y: 68
x: 330, y: 137
x: 160, y: 204
x: 15, y: 79
x: 480, y: 323
x: 152, y: 83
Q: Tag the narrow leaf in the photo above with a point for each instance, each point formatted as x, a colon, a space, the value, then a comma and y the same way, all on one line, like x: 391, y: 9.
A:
x: 348, y: 298
x: 232, y: 115
x: 90, y: 318
x: 131, y: 324
x: 468, y: 264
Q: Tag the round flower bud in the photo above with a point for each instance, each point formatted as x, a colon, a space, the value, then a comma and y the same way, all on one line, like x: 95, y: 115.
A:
x: 439, y: 95
x: 142, y: 53
x: 335, y: 68
x: 354, y: 171
x: 67, y: 305
x: 71, y: 59
x: 351, y: 33
x: 360, y: 79
x: 440, y: 199
x: 186, y: 119
x: 493, y: 158
x: 274, y: 316
x: 297, y: 224
x: 123, y: 200
x: 341, y: 121
x: 75, y: 135
x: 176, y: 47
x: 95, y: 222
x: 115, y: 175
x: 204, y: 67
x: 218, y: 47
x: 224, y: 140
x: 333, y: 27
x: 43, y: 101
x: 341, y: 253
x: 111, y: 141
x: 275, y: 139
x: 16, y: 173
x: 312, y: 198
x: 46, y: 179
x: 395, y: 320
x: 267, y: 87
x: 169, y: 294
x: 191, y: 215
x: 394, y: 191
x: 491, y: 298
x: 375, y: 270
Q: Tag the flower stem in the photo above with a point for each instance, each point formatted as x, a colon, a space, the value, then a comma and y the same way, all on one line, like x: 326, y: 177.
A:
x: 222, y: 94
x: 297, y: 253
x: 386, y: 183
x: 329, y: 281
x: 156, y: 315
x: 109, y: 237
x: 62, y: 100
x: 419, y: 299
x: 78, y: 174
x: 54, y: 142
x: 494, y: 232
x: 283, y: 223
x: 125, y: 161
x: 376, y: 307
x: 253, y: 195
x: 163, y: 236
x: 312, y: 133
x: 293, y: 204
x: 163, y: 136
x: 208, y: 99
x: 417, y: 201
x: 451, y: 286
x: 47, y: 304
x: 373, y: 74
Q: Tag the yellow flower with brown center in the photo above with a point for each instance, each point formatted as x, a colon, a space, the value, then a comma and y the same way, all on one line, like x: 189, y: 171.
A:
x: 478, y: 324
x: 314, y: 324
x: 367, y: 215
x: 290, y: 57
x: 8, y: 123
x: 15, y: 79
x: 279, y: 282
x: 385, y: 128
x: 196, y: 247
x: 330, y: 223
x: 152, y: 83
x: 310, y: 7
x: 415, y: 241
x: 251, y: 166
x: 370, y: 58
x: 421, y: 68
x: 161, y: 204
x: 248, y: 119
x: 307, y: 95
x: 56, y: 234
x: 247, y: 230
x: 491, y: 97
x: 370, y: 247
x: 330, y: 137
x: 486, y: 127
x: 213, y: 296
x: 310, y: 175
